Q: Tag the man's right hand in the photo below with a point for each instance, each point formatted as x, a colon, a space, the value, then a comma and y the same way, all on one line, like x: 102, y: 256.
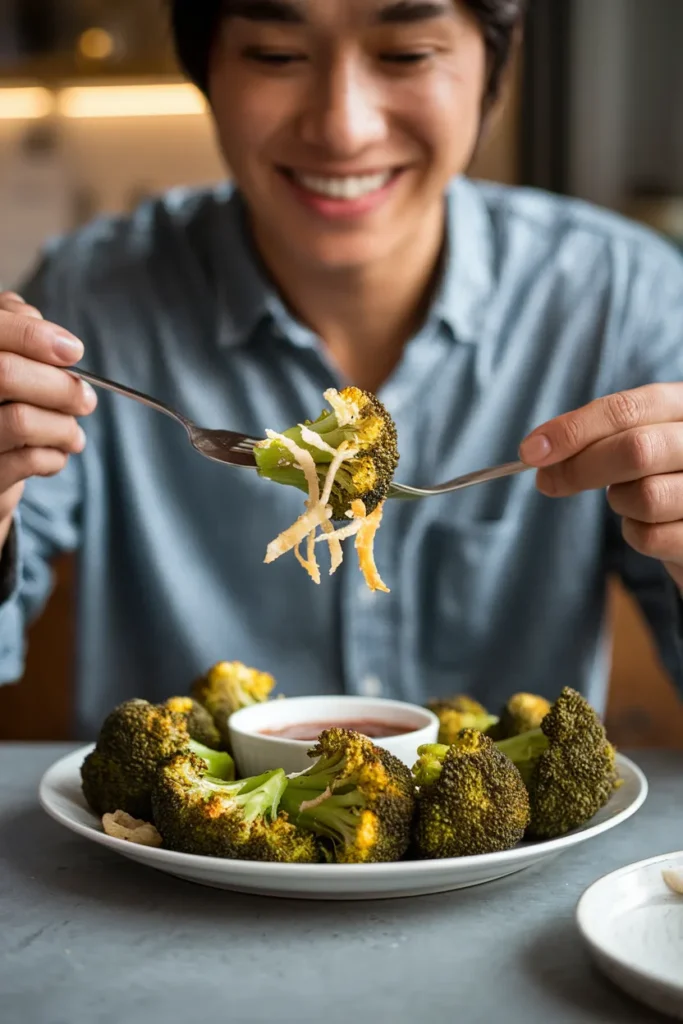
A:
x: 39, y: 401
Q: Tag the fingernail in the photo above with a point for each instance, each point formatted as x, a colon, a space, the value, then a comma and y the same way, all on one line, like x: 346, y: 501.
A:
x: 88, y: 392
x: 535, y: 449
x: 82, y: 439
x: 68, y: 348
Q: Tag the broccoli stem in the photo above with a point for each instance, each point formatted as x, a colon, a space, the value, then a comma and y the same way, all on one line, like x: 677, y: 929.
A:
x: 335, y: 817
x: 524, y: 750
x: 430, y: 762
x: 219, y: 764
x: 258, y: 797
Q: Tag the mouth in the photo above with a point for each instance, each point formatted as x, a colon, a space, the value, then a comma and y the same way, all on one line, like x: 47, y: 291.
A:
x: 347, y: 187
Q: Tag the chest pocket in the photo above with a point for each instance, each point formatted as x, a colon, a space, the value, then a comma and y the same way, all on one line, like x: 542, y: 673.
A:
x: 465, y: 578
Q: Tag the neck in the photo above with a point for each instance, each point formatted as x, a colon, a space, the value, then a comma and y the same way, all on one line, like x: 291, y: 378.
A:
x: 364, y: 315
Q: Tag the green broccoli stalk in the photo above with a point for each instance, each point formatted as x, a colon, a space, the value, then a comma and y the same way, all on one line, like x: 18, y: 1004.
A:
x: 357, y: 797
x: 471, y: 799
x: 198, y: 814
x: 358, y: 419
x: 568, y: 766
x: 219, y: 764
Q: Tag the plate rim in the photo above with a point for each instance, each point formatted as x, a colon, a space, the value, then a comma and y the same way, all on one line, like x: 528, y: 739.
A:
x: 266, y: 870
x: 598, y: 950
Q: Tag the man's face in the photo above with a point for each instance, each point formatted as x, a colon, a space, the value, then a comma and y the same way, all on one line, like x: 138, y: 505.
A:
x: 342, y: 121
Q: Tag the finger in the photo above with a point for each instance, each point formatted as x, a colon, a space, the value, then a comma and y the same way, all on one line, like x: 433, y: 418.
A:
x: 632, y: 455
x: 14, y: 303
x: 24, y: 380
x: 654, y: 499
x: 38, y: 339
x: 26, y: 426
x: 18, y: 466
x: 565, y: 436
x: 663, y: 541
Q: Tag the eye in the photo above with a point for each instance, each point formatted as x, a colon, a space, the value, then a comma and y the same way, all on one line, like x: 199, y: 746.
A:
x: 272, y: 57
x: 409, y: 57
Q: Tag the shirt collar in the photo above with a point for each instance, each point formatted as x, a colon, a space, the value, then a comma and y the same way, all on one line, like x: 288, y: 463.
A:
x: 247, y: 298
x: 464, y: 292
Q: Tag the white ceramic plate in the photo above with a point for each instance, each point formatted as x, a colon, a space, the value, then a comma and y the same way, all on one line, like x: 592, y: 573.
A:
x: 60, y: 795
x: 633, y: 925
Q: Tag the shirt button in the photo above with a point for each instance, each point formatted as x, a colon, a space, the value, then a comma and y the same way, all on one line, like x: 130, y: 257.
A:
x: 371, y: 686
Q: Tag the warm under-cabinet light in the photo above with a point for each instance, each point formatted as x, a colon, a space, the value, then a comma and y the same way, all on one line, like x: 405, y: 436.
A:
x: 130, y: 101
x: 25, y: 103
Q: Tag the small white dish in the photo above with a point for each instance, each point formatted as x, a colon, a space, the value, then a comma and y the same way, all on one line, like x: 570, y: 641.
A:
x: 62, y: 798
x: 633, y: 925
x: 256, y: 753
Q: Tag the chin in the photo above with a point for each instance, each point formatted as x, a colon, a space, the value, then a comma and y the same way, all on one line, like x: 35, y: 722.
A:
x: 342, y: 253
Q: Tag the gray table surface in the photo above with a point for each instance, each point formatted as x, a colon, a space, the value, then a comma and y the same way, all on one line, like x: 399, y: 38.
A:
x: 87, y: 937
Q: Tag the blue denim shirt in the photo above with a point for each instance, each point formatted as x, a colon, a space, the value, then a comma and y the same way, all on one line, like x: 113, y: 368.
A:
x: 543, y: 305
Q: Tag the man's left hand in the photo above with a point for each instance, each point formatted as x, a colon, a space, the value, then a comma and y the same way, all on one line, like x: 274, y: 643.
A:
x: 630, y: 443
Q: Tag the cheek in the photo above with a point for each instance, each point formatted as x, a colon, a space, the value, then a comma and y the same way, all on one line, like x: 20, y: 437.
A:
x: 246, y: 117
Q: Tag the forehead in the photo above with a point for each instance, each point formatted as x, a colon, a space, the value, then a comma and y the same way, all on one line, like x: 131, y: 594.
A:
x: 302, y: 12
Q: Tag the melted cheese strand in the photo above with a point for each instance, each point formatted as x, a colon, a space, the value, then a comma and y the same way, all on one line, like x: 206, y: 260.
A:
x: 365, y: 546
x: 315, y: 440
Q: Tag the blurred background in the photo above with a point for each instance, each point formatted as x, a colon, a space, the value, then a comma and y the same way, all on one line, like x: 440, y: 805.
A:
x: 94, y: 116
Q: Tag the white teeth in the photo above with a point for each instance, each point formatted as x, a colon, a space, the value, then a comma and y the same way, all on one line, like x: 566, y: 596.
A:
x: 344, y: 188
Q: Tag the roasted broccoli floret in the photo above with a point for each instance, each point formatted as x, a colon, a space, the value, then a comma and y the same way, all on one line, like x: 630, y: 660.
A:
x: 200, y: 724
x: 471, y: 799
x: 360, y: 420
x: 226, y: 688
x: 357, y: 797
x: 458, y: 713
x: 198, y: 814
x: 522, y: 713
x: 134, y: 739
x: 568, y: 765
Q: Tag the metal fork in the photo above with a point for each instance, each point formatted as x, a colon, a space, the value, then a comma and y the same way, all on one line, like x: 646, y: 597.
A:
x: 234, y: 449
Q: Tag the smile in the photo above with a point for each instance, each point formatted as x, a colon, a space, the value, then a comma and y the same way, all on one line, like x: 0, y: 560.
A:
x: 347, y: 187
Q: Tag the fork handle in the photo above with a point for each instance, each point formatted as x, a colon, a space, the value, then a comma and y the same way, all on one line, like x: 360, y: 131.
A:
x: 138, y: 396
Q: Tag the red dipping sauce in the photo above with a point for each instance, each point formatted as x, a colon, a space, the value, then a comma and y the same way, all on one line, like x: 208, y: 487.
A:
x: 309, y: 731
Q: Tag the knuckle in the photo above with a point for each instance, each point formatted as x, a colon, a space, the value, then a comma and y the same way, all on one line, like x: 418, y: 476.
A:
x: 17, y: 421
x: 572, y: 432
x: 653, y: 498
x: 624, y: 410
x: 29, y: 331
x: 7, y: 373
x: 641, y: 451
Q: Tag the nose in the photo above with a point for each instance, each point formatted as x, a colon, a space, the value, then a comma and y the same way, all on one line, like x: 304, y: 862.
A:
x: 345, y: 115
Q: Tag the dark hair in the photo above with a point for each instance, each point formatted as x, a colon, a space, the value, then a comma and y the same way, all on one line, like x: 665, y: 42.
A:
x: 194, y: 25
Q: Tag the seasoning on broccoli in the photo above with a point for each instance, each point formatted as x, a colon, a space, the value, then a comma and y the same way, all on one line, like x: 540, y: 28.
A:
x: 521, y: 713
x: 568, y: 765
x: 226, y: 688
x: 458, y: 713
x: 198, y: 814
x: 133, y: 741
x: 200, y: 724
x: 345, y: 460
x: 471, y: 799
x: 357, y: 797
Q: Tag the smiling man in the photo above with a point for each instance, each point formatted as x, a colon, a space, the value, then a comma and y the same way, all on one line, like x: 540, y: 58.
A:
x: 350, y: 248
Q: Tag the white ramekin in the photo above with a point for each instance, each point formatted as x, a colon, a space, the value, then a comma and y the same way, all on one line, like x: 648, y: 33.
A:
x: 256, y: 753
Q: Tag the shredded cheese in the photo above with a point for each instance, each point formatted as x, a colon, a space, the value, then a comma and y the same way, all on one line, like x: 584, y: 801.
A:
x: 342, y: 409
x: 365, y: 546
x: 315, y: 440
x: 318, y: 510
